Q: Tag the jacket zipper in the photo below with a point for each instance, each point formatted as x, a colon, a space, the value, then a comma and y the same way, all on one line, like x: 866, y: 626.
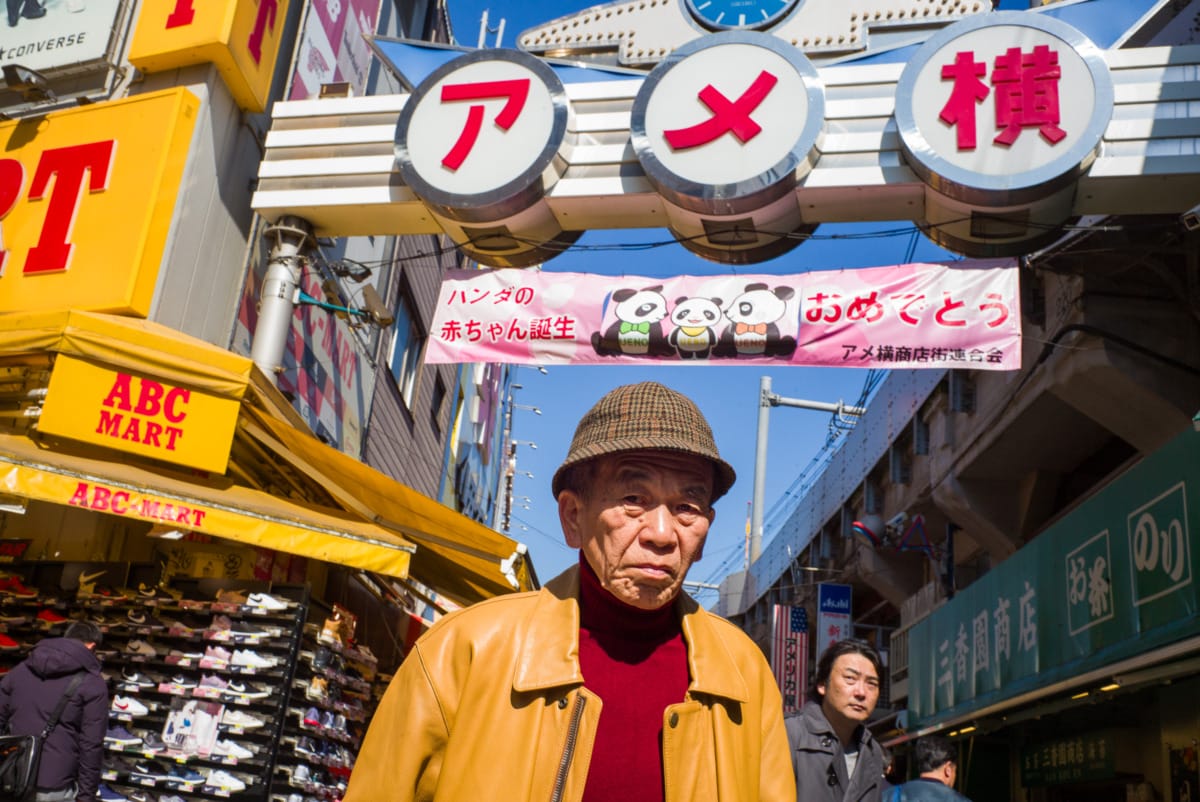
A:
x: 564, y: 763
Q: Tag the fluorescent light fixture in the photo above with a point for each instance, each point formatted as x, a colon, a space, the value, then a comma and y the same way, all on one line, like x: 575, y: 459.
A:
x: 166, y: 532
x: 966, y: 729
x: 1112, y: 686
x: 13, y: 504
x: 1159, y: 673
x: 1082, y: 695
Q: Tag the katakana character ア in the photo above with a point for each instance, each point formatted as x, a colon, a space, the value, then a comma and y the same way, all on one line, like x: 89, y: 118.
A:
x: 1027, y: 94
x: 996, y: 302
x: 968, y: 90
x: 949, y: 305
x: 728, y: 116
x: 849, y: 349
x: 514, y: 92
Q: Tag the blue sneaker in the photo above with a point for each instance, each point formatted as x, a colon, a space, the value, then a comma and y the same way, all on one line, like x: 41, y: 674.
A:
x: 106, y: 794
x: 182, y: 775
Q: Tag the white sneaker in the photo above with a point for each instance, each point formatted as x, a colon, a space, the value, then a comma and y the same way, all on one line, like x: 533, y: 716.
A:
x: 252, y: 659
x: 236, y: 718
x: 264, y: 601
x: 231, y: 749
x: 219, y: 778
x: 129, y: 705
x: 140, y: 647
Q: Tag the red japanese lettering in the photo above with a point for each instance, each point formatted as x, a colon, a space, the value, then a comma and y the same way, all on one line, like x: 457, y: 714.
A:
x: 12, y: 181
x: 728, y: 116
x: 182, y: 15
x: 910, y: 301
x: 942, y: 316
x: 515, y: 92
x: 1027, y: 94
x: 968, y: 90
x: 995, y: 303
x: 68, y: 167
x: 267, y: 10
x: 866, y: 308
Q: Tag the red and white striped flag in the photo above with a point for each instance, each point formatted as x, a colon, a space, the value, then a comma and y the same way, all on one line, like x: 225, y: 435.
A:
x: 789, y: 654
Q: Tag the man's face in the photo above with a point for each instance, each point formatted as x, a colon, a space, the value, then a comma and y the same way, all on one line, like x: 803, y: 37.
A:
x: 852, y: 690
x: 642, y: 522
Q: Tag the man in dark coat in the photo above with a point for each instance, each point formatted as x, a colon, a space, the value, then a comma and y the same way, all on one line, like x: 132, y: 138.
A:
x: 71, y: 756
x: 834, y: 755
x: 936, y: 759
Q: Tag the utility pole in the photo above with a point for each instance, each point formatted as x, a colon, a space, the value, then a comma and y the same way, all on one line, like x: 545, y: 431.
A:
x: 484, y: 30
x: 766, y: 400
x: 277, y: 299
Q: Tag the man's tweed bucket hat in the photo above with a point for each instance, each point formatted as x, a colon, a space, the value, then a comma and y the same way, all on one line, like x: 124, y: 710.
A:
x: 640, y: 417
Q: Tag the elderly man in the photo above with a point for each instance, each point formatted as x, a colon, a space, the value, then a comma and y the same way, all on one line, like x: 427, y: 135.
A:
x: 833, y: 753
x: 936, y: 761
x: 609, y: 684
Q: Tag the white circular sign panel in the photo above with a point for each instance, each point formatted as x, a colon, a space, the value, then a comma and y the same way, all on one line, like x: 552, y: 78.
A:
x: 1003, y: 103
x: 728, y: 117
x: 731, y: 70
x: 481, y: 130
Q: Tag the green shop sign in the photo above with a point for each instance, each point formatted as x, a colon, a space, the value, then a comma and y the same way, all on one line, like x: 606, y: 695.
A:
x: 1115, y: 578
x: 1069, y: 760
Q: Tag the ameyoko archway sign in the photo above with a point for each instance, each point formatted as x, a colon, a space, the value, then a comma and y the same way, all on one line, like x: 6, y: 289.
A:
x: 999, y: 130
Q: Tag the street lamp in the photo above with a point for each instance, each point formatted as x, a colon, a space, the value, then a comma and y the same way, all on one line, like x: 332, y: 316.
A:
x: 766, y: 400
x: 534, y: 410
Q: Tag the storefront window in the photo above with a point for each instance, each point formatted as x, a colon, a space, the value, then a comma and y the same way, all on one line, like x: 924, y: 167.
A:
x: 406, y: 349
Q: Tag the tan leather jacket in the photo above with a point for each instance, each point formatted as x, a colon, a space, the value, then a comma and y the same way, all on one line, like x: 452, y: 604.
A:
x: 490, y: 707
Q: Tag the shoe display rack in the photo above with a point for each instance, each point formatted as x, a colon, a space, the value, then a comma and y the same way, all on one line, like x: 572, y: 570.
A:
x: 198, y: 691
x: 331, y: 700
x: 198, y: 674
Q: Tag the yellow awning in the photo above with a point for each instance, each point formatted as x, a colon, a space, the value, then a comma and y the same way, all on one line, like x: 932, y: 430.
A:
x: 455, y: 555
x: 128, y: 344
x: 80, y: 476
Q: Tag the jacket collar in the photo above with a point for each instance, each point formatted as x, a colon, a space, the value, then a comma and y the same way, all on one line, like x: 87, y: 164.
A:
x: 550, y: 652
x: 817, y: 725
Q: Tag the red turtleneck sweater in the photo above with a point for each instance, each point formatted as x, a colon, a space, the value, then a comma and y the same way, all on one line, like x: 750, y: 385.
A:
x: 636, y: 662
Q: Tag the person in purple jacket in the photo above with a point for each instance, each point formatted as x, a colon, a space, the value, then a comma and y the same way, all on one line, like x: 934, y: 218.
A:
x: 71, y: 756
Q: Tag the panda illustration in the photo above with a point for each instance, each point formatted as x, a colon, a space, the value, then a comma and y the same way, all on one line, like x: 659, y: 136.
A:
x: 695, y: 322
x: 753, y: 330
x: 638, y: 329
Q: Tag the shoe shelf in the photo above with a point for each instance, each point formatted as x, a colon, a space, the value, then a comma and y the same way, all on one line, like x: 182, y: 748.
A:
x: 208, y: 704
x: 331, y: 701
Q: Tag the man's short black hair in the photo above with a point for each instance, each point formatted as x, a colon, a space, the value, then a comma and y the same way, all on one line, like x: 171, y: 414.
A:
x: 84, y: 632
x: 836, y: 650
x: 932, y: 752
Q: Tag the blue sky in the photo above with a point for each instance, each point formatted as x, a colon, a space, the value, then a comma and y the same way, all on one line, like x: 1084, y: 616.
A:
x: 727, y: 395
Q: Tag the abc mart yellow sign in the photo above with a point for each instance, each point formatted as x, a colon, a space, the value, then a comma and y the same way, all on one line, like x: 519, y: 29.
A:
x: 240, y: 37
x: 87, y: 197
x: 139, y: 414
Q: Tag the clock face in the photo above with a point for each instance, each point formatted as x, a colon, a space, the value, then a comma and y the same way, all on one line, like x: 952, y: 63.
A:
x: 724, y: 15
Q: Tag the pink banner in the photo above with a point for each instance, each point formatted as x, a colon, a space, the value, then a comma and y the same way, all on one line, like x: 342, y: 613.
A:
x: 955, y: 315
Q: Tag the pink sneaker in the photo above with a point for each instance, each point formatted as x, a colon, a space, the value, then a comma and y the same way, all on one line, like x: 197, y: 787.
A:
x: 215, y: 657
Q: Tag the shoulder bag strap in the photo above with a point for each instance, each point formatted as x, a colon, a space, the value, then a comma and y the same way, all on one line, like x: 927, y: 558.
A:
x: 76, y: 681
